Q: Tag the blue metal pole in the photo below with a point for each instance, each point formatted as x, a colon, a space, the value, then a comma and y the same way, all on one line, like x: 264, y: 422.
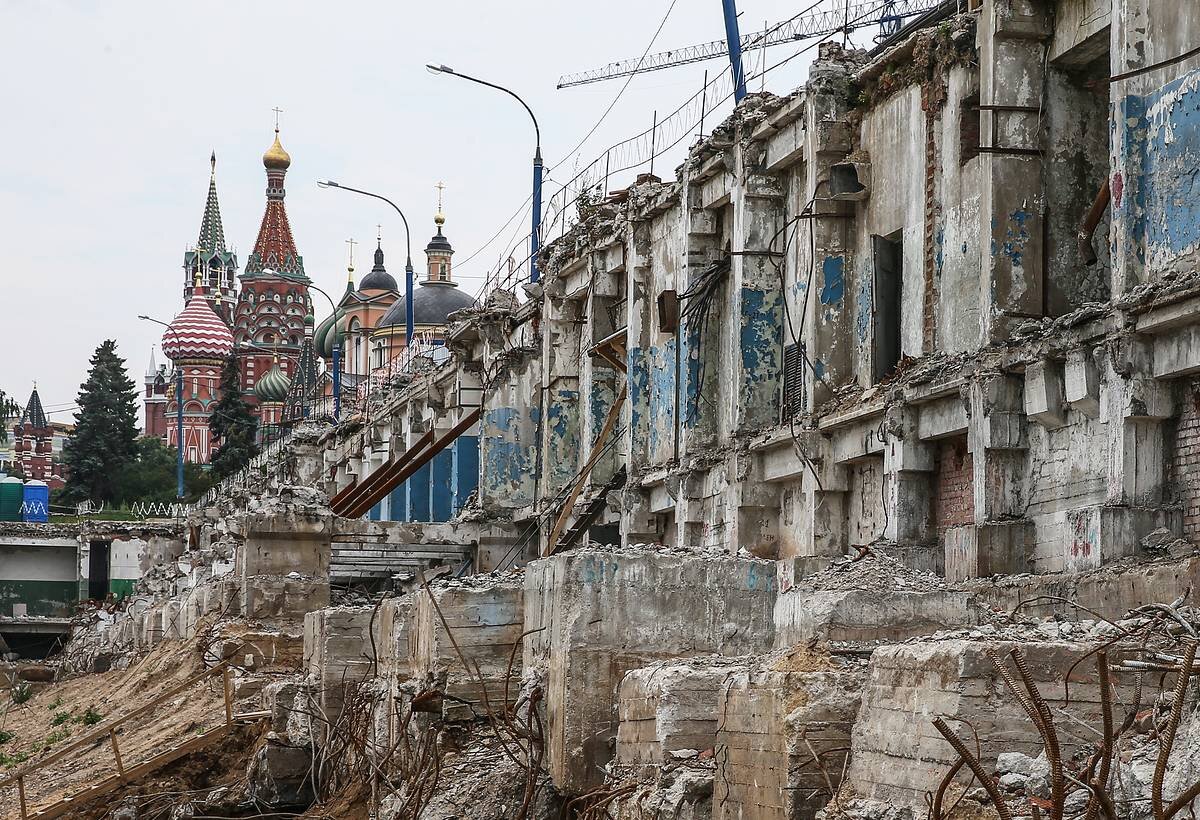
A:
x: 337, y: 377
x: 534, y: 241
x: 408, y: 298
x: 734, y: 38
x: 179, y: 432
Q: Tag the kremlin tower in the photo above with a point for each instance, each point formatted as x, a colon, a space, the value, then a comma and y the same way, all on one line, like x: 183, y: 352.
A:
x: 274, y: 300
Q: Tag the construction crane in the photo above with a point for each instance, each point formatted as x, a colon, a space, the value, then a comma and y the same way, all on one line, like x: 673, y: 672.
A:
x: 839, y: 16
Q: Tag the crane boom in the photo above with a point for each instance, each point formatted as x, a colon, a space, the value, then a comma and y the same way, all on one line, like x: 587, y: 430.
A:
x: 801, y: 27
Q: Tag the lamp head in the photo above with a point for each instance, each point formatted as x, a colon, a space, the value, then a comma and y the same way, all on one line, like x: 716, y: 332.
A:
x: 327, y: 183
x: 439, y: 69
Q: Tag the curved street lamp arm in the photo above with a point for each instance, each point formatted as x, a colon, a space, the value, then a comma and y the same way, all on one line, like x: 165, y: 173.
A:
x: 536, y: 129
x: 403, y: 218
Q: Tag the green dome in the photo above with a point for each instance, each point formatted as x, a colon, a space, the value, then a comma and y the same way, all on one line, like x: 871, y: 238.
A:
x: 274, y: 386
x: 323, y: 336
x: 309, y: 319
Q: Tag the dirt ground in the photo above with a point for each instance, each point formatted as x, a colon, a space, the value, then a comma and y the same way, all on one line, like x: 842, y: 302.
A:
x: 66, y: 711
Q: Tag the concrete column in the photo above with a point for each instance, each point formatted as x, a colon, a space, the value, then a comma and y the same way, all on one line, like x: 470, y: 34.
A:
x: 1011, y: 37
x: 697, y: 427
x: 753, y: 330
x: 998, y: 441
x: 828, y: 327
x: 908, y: 465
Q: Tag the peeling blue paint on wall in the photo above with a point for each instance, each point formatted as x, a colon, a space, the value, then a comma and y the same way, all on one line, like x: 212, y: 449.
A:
x: 1163, y: 139
x: 466, y: 469
x: 760, y: 339
x: 862, y: 318
x: 833, y: 271
x: 639, y: 379
x: 510, y: 455
x: 562, y: 422
x: 662, y: 400
x: 1016, y: 236
x: 690, y: 357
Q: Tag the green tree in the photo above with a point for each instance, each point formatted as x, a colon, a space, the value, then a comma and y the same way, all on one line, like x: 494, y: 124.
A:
x: 232, y: 424
x: 151, y: 478
x: 105, y: 437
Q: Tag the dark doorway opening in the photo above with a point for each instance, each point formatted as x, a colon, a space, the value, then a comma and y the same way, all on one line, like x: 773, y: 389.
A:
x: 98, y: 570
x: 888, y: 291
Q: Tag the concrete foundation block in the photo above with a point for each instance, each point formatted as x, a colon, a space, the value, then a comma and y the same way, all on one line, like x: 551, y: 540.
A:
x: 898, y: 756
x: 338, y: 653
x: 859, y: 615
x: 605, y: 613
x: 1045, y: 402
x: 393, y: 630
x: 669, y: 707
x: 1097, y: 535
x: 486, y: 621
x: 272, y: 598
x: 1082, y: 383
x: 773, y: 722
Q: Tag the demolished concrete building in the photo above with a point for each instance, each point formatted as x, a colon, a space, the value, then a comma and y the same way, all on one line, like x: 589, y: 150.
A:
x: 777, y: 463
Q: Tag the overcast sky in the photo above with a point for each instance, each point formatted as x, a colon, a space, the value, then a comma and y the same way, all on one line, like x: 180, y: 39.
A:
x: 110, y: 111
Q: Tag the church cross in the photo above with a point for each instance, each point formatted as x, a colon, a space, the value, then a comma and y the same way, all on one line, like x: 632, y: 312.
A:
x: 277, y: 111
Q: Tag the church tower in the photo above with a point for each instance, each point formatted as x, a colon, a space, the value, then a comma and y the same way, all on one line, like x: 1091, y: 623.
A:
x: 274, y: 299
x: 210, y: 259
x: 33, y: 442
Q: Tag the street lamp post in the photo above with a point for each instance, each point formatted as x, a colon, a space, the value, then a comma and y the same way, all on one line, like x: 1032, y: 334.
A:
x: 408, y: 267
x: 337, y: 359
x: 178, y: 413
x: 534, y: 237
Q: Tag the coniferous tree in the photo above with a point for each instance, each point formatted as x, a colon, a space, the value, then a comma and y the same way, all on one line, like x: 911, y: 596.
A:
x: 9, y: 410
x: 232, y: 424
x: 105, y: 437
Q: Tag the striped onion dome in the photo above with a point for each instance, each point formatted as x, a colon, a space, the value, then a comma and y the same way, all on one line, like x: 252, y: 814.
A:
x: 197, y: 332
x: 274, y: 386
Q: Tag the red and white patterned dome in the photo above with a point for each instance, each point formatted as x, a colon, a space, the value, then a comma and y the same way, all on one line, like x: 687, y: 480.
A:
x: 197, y: 332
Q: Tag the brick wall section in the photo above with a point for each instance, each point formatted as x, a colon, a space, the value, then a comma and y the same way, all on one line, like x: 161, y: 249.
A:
x: 954, y: 486
x: 1184, y: 465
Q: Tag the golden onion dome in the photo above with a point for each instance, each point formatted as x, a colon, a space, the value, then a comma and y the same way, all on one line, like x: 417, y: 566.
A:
x: 276, y: 157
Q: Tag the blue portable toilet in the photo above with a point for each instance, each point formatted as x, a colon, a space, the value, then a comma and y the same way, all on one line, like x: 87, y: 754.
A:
x: 35, y: 506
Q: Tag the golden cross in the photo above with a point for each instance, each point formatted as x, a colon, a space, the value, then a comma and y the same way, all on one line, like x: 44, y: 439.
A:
x: 277, y: 111
x: 351, y: 243
x: 379, y: 232
x: 440, y: 186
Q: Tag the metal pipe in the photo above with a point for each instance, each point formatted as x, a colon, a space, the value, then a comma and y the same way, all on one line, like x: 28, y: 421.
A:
x: 734, y: 39
x: 1090, y: 222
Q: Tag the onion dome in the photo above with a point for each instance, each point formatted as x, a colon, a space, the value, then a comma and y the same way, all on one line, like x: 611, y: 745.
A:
x: 274, y: 386
x: 378, y: 278
x: 309, y: 319
x: 276, y: 157
x: 327, y: 332
x: 197, y: 332
x: 432, y: 303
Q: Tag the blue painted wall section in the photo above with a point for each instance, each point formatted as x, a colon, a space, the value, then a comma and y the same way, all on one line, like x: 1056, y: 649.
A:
x: 760, y: 341
x: 398, y: 503
x: 1157, y: 196
x: 418, y: 495
x: 441, y: 468
x: 465, y: 475
x: 509, y: 456
x: 833, y: 280
x: 563, y: 445
x: 639, y: 392
x: 661, y: 401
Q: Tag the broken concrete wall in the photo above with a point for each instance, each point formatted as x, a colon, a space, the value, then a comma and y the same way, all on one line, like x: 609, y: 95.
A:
x: 485, y: 623
x: 338, y: 653
x: 604, y: 613
x: 783, y: 737
x: 669, y: 707
x: 898, y: 757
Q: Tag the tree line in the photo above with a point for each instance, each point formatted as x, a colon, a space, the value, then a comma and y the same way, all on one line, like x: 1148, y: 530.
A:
x: 108, y: 461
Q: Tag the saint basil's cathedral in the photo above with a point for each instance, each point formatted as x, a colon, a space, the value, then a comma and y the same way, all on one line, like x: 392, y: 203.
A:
x: 268, y: 321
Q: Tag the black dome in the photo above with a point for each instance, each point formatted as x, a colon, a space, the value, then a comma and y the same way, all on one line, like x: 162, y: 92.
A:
x: 378, y: 278
x: 439, y: 243
x: 432, y: 303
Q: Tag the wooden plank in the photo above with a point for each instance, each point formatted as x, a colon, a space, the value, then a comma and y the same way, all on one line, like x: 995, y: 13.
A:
x: 142, y: 769
x: 99, y: 734
x: 21, y: 794
x: 112, y: 736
